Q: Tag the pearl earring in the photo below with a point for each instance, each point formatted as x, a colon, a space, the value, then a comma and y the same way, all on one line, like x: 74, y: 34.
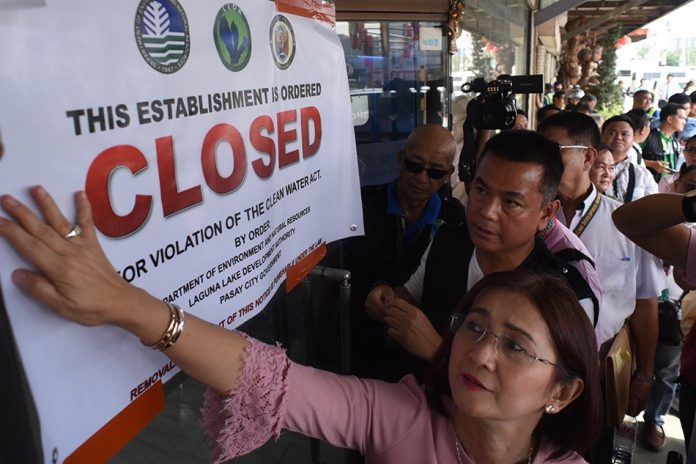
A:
x: 550, y: 409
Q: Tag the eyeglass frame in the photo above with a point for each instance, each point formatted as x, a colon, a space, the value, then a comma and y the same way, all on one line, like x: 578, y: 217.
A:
x: 414, y: 167
x: 579, y: 147
x: 457, y: 321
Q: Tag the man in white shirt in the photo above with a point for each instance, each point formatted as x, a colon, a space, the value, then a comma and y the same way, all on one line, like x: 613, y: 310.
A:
x: 641, y: 130
x: 631, y: 181
x: 668, y: 88
x: 632, y: 279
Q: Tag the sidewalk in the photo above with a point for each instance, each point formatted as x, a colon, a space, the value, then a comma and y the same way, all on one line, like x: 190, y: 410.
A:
x: 675, y: 442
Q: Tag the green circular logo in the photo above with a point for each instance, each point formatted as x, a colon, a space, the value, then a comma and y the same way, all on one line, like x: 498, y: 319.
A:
x: 232, y: 37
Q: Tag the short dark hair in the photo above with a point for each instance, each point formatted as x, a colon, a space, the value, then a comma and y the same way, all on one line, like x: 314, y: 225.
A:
x: 583, y: 107
x: 559, y: 94
x: 541, y: 113
x: 589, y: 97
x: 679, y: 98
x: 603, y: 146
x: 576, y: 427
x: 525, y: 146
x: 522, y: 112
x: 685, y: 169
x: 639, y: 117
x: 641, y: 92
x: 692, y: 96
x: 581, y: 128
x: 618, y: 118
x: 670, y: 109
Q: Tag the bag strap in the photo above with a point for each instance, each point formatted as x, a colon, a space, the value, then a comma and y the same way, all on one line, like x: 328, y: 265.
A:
x: 628, y: 196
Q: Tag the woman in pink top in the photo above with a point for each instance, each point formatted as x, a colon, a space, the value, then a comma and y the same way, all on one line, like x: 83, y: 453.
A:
x: 515, y: 382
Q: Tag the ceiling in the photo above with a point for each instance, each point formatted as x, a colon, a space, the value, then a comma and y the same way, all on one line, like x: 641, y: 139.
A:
x: 600, y: 15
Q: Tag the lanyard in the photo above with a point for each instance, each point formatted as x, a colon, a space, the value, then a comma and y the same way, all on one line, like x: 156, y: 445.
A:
x: 628, y: 195
x: 587, y: 217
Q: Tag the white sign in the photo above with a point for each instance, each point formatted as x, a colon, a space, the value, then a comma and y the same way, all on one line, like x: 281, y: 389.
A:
x: 215, y: 142
x: 430, y: 38
x: 360, y: 109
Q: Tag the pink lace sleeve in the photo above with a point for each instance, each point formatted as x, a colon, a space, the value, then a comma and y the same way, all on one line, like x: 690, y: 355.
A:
x: 249, y: 416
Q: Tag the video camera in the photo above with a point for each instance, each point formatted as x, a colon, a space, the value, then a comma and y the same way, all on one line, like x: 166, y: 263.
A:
x: 495, y: 106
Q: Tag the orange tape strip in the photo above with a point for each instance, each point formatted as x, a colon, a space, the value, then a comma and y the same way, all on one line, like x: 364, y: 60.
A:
x: 308, y: 9
x: 101, y: 446
x: 296, y: 273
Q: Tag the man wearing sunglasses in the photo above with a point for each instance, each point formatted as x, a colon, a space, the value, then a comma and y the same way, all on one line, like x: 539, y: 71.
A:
x: 512, y: 199
x: 400, y: 218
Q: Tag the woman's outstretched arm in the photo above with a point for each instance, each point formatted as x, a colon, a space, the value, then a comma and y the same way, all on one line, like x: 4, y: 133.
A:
x: 77, y: 281
x: 654, y: 223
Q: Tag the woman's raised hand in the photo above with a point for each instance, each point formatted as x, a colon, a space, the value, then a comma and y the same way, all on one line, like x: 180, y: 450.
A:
x: 73, y: 276
x: 76, y: 279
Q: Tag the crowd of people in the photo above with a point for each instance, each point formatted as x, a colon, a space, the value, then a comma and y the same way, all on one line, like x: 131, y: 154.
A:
x: 480, y: 326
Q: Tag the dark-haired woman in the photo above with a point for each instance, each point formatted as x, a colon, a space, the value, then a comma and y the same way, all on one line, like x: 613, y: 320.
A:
x: 515, y: 383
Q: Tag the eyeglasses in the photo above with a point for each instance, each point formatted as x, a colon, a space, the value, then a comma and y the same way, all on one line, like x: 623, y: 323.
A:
x: 414, y: 167
x: 579, y: 147
x: 509, y: 349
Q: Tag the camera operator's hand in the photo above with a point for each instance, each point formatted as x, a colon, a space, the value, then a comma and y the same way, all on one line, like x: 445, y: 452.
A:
x: 482, y: 136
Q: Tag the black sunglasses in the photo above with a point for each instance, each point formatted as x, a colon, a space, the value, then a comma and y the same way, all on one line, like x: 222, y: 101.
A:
x: 415, y: 167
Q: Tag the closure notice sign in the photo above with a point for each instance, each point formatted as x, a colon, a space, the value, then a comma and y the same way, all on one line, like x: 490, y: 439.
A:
x: 215, y: 143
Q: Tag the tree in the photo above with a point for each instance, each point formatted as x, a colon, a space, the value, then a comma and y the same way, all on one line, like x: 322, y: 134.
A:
x: 672, y: 58
x: 691, y: 56
x: 609, y: 96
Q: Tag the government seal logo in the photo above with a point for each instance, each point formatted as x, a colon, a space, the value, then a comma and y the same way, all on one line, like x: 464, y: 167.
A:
x: 282, y: 40
x: 232, y: 37
x: 162, y: 34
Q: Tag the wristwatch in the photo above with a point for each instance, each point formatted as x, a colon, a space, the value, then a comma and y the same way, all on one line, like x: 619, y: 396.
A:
x: 644, y: 378
x: 688, y: 205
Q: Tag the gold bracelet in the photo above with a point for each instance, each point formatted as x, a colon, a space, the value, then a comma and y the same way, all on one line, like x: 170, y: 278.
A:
x: 173, y: 331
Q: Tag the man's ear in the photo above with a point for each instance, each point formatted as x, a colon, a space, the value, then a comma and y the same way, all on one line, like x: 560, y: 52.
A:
x: 448, y: 177
x: 590, y: 155
x: 548, y: 212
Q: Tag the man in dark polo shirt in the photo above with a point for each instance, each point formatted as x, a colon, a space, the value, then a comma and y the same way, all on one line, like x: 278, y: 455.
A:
x: 400, y: 218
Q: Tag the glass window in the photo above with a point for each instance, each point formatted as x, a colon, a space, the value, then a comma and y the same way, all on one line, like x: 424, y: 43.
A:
x: 397, y: 73
x: 493, y: 42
